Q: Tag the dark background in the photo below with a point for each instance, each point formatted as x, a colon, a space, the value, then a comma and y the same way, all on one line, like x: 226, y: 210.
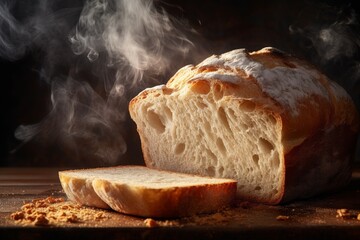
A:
x: 292, y: 26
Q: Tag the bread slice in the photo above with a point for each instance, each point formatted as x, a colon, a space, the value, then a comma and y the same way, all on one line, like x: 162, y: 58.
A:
x: 141, y: 191
x: 264, y: 118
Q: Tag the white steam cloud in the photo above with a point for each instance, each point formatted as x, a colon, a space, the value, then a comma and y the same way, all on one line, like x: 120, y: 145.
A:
x: 127, y: 45
x: 137, y: 37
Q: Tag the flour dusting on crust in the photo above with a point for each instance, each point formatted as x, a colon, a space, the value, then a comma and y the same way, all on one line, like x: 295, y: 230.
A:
x: 230, y: 77
x: 286, y: 85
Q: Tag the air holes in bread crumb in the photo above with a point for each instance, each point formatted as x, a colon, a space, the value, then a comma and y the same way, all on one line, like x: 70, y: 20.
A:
x: 155, y: 121
x: 200, y: 87
x: 265, y: 145
x: 272, y: 119
x: 200, y: 104
x: 231, y: 114
x: 210, y: 155
x: 255, y: 158
x: 179, y: 149
x: 276, y: 162
x: 220, y: 145
x: 223, y: 118
x: 207, y: 128
x: 210, y: 171
x: 247, y: 106
x: 244, y: 126
x: 257, y: 188
x: 246, y: 122
x: 218, y: 93
x: 221, y: 171
x: 168, y: 113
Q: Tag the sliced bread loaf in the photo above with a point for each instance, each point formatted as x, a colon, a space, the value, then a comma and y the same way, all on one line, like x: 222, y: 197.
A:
x: 265, y: 118
x: 141, y: 191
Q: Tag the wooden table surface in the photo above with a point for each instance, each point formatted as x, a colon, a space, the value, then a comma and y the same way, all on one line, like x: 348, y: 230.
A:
x: 312, y: 218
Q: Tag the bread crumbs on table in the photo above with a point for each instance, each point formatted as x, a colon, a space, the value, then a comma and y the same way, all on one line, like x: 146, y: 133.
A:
x: 149, y: 222
x: 52, y: 211
x: 282, y: 218
x: 345, y: 214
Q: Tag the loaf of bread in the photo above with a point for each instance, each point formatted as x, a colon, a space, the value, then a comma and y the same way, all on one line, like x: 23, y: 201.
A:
x: 141, y: 191
x: 273, y: 122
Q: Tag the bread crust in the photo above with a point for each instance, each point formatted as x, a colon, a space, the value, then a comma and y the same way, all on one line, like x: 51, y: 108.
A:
x: 313, y: 111
x: 320, y: 164
x: 168, y: 202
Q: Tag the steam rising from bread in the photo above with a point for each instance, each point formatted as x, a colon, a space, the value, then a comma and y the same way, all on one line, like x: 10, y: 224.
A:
x: 133, y: 33
x: 120, y: 47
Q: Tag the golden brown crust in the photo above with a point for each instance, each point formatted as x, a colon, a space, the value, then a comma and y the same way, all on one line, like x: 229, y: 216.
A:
x: 167, y: 202
x: 321, y: 163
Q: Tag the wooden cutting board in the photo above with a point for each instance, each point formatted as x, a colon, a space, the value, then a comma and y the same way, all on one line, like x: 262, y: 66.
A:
x: 312, y: 218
